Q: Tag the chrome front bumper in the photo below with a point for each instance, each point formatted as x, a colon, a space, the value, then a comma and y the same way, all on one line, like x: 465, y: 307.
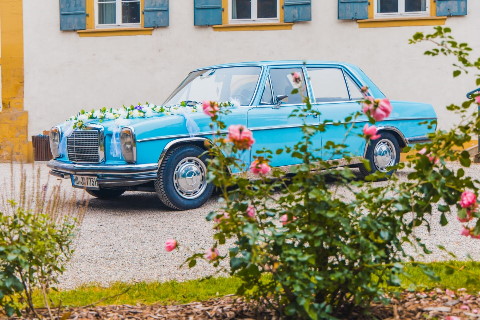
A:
x: 108, y: 176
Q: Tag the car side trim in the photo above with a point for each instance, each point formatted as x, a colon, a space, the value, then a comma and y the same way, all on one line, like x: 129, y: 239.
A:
x: 419, y: 139
x: 202, y: 134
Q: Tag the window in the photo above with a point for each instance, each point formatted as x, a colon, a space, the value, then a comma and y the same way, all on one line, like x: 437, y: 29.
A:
x: 267, y: 94
x: 249, y: 15
x: 353, y: 89
x: 283, y: 85
x: 236, y: 85
x: 386, y: 8
x: 118, y: 13
x: 328, y: 84
x: 245, y: 11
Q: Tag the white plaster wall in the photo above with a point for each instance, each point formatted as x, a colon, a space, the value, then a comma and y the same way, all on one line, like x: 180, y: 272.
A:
x: 65, y: 73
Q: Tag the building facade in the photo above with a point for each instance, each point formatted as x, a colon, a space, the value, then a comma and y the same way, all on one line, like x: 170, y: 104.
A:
x: 62, y: 56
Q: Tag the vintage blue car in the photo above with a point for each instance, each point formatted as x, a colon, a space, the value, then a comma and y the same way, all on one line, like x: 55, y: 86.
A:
x: 161, y: 148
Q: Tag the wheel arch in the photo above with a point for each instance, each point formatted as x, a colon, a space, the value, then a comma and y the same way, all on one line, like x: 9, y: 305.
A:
x: 402, y: 141
x: 196, y: 141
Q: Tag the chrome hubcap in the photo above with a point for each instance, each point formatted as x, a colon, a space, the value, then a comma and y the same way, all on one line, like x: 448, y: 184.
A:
x: 189, y: 178
x: 384, y: 155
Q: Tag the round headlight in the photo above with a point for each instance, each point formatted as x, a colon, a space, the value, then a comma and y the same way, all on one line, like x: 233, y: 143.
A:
x: 55, y: 137
x: 129, y: 147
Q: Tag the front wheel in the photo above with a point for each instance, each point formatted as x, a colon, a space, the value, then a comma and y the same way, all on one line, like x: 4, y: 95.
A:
x: 182, y: 178
x: 382, y: 154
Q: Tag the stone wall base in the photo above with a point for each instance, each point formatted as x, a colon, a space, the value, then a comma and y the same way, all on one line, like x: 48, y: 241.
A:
x: 14, y: 144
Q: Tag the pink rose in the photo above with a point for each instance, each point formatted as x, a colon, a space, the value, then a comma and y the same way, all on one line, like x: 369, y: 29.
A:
x: 432, y: 159
x: 452, y: 318
x: 466, y: 219
x: 296, y: 77
x: 170, y: 245
x: 465, y: 232
x: 468, y: 199
x: 449, y: 292
x: 222, y: 217
x: 378, y: 109
x: 260, y: 167
x: 284, y: 219
x: 370, y: 132
x: 210, y: 108
x: 464, y: 307
x: 251, y: 212
x: 211, y: 254
x: 477, y: 99
x: 240, y: 136
x: 385, y: 106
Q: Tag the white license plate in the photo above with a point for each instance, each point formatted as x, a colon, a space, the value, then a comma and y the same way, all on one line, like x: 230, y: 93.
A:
x: 88, y: 182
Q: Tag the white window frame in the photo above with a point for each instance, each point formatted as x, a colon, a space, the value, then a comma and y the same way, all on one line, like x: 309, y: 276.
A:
x: 118, y: 16
x: 401, y: 11
x: 254, y: 18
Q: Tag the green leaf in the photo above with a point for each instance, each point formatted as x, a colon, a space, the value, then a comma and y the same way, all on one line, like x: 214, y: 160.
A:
x: 456, y: 73
x: 443, y: 220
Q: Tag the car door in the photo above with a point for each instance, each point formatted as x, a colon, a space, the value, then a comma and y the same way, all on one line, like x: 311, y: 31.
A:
x: 270, y: 120
x: 336, y: 97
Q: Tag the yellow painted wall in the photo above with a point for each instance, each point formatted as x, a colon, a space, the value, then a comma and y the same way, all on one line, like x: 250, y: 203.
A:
x: 14, y: 143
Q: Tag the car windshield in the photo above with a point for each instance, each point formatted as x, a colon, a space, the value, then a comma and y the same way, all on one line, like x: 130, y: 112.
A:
x: 235, y: 85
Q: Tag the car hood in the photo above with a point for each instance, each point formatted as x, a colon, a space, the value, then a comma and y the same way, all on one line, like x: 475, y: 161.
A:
x: 158, y: 125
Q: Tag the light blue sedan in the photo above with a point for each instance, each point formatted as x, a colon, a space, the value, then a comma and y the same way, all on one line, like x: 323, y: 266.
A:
x: 160, y: 148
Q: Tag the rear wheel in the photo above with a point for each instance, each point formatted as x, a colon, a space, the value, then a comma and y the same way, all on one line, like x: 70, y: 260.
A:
x: 106, y: 193
x: 182, y: 178
x: 382, y: 153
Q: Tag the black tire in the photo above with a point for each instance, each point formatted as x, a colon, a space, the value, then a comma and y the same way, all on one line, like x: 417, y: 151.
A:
x: 106, y: 193
x: 382, y: 153
x: 182, y: 178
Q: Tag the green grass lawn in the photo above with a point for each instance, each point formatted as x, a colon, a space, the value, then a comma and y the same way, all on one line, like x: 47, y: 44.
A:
x: 453, y: 275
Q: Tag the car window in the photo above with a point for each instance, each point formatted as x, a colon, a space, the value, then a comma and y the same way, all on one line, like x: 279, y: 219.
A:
x: 355, y: 92
x: 282, y: 84
x: 328, y: 84
x: 235, y: 84
x: 267, y: 94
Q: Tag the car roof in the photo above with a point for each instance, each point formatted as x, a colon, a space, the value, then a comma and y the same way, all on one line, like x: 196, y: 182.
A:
x: 276, y: 63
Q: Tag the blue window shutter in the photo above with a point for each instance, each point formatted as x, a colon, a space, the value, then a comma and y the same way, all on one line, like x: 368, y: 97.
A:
x: 352, y: 9
x: 451, y: 8
x: 297, y: 10
x: 207, y: 12
x: 73, y: 15
x: 155, y: 13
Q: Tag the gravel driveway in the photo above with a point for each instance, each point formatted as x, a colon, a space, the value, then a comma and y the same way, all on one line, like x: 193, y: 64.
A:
x: 122, y: 240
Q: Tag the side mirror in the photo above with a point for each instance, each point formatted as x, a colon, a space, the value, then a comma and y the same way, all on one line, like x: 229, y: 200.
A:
x: 280, y: 98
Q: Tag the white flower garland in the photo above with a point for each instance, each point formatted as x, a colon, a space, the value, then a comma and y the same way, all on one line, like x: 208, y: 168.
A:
x: 132, y: 112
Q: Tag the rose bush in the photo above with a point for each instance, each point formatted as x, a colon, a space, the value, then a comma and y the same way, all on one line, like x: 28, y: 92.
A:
x: 321, y: 243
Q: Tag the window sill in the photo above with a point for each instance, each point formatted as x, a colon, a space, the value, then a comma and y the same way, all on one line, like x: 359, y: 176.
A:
x: 401, y: 22
x: 115, y: 32
x: 253, y: 27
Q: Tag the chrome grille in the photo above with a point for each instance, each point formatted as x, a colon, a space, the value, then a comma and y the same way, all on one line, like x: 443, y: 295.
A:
x: 83, y: 146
